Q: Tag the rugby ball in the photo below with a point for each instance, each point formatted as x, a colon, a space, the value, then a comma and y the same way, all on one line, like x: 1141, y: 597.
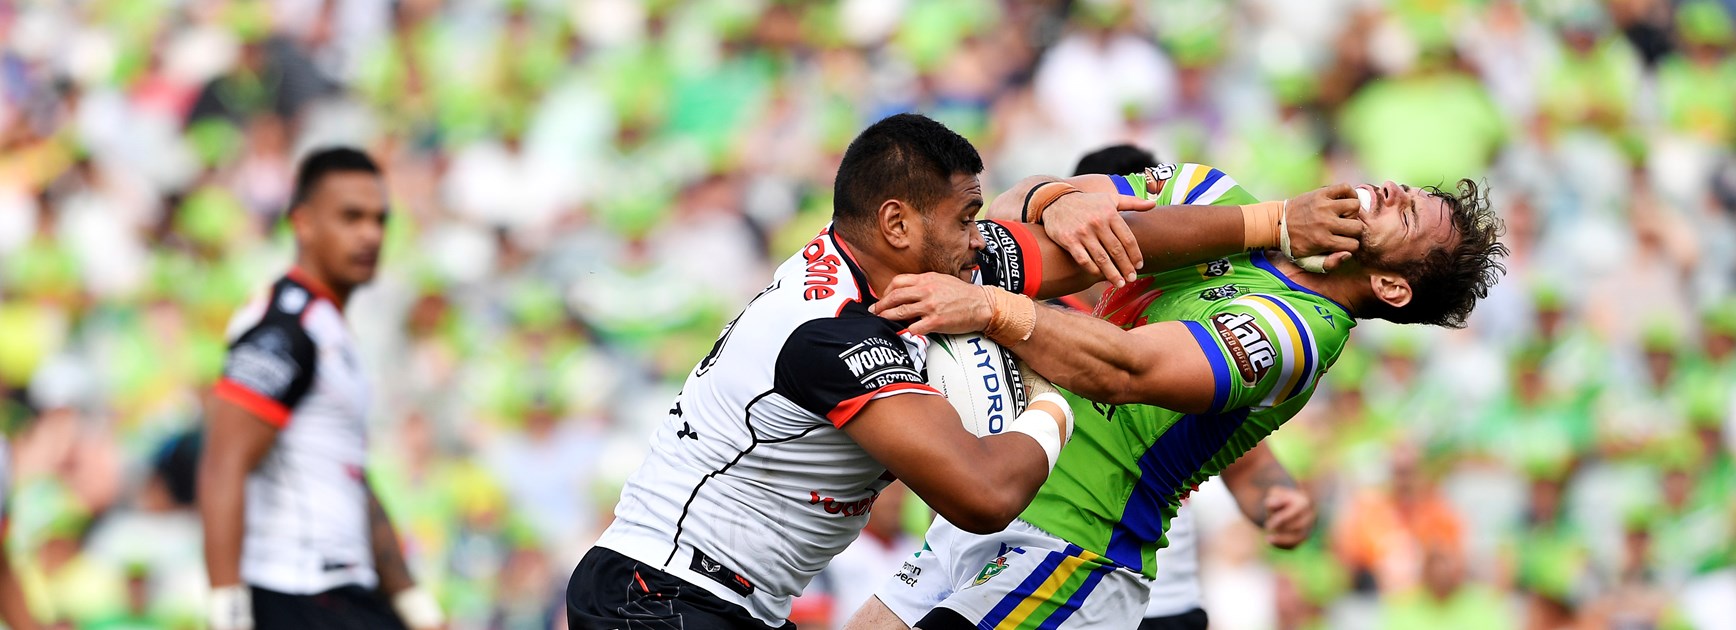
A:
x: 987, y: 385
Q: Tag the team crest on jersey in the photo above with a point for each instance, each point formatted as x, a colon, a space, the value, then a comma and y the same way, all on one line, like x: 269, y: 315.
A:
x: 990, y: 570
x: 1324, y: 314
x: 1215, y: 269
x: 1218, y: 293
x: 1248, y: 346
x: 291, y: 300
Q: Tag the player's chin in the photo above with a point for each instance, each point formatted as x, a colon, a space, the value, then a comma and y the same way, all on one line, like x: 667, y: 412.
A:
x: 363, y: 272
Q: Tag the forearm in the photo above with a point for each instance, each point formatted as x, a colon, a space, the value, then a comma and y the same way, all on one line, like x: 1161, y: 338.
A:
x: 1082, y: 354
x: 222, y: 497
x: 1171, y: 237
x: 1252, y: 477
x: 1010, y: 205
x: 389, y: 560
x: 1000, y: 478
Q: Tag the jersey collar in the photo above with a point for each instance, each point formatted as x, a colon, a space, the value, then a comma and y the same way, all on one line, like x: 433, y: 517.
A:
x: 1258, y: 257
x: 316, y: 287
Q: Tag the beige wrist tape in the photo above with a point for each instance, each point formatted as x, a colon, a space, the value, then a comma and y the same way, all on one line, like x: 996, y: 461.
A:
x: 1262, y: 225
x: 1041, y: 196
x: 1012, y: 317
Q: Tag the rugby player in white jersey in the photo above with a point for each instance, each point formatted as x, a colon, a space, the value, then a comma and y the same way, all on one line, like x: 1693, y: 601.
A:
x: 1266, y: 493
x: 294, y: 537
x: 771, y: 458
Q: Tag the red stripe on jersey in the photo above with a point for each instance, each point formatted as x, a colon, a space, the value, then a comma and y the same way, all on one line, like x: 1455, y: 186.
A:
x: 268, y: 410
x: 1032, y: 255
x: 1075, y: 303
x: 848, y: 409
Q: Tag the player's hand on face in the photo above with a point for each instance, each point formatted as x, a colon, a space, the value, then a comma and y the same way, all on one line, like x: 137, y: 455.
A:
x: 935, y: 302
x: 1089, y: 226
x: 1325, y: 221
x: 1289, y: 517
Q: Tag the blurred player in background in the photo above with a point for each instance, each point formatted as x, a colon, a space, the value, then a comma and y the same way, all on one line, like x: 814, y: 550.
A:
x: 13, y: 609
x: 294, y: 536
x: 1186, y: 371
x: 1264, y: 490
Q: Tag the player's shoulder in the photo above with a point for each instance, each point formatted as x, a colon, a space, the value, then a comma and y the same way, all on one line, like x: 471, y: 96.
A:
x: 819, y: 280
x: 286, y: 303
x: 1190, y: 183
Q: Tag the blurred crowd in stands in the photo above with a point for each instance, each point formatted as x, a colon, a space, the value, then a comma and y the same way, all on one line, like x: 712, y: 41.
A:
x: 583, y: 191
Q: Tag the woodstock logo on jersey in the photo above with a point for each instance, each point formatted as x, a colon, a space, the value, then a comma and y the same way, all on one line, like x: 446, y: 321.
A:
x: 876, y: 363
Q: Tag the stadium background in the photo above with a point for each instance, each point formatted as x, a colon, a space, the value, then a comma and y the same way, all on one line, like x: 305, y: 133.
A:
x: 584, y: 190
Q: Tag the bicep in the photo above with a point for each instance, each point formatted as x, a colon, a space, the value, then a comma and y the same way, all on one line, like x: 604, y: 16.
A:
x: 920, y: 439
x: 237, y: 436
x: 1174, y: 371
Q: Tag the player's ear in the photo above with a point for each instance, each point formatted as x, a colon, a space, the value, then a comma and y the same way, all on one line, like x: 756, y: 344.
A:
x: 1391, y: 288
x: 897, y: 223
x: 298, y: 222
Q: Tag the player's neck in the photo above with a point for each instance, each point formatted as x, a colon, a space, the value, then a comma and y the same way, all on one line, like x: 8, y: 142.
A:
x: 873, y: 261
x: 337, y: 292
x: 1349, y: 290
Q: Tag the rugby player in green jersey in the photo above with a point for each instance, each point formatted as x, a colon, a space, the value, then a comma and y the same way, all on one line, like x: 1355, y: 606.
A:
x: 1180, y: 373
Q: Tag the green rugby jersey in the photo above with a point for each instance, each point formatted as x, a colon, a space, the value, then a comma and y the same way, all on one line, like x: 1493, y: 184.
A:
x: 1123, y: 475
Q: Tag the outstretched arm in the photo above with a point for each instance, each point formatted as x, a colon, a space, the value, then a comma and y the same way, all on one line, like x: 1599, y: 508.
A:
x: 1099, y: 230
x: 1270, y: 498
x: 1159, y: 364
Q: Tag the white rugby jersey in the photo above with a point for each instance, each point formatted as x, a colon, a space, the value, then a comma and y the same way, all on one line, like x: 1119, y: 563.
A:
x: 751, y: 486
x: 293, y: 363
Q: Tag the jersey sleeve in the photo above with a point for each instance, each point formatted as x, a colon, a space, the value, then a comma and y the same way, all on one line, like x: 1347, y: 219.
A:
x: 833, y: 367
x: 270, y: 367
x: 1183, y: 184
x: 1262, y: 352
x: 1010, y: 258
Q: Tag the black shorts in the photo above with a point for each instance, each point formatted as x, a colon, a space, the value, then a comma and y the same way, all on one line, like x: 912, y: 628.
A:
x: 342, y: 608
x: 1191, y: 620
x: 610, y: 591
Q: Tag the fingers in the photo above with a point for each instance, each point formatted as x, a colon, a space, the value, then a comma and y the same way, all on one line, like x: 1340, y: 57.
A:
x: 1117, y: 249
x: 1134, y: 204
x: 1343, y: 208
x: 1100, y: 260
x: 1340, y: 190
x: 1081, y: 253
x: 1334, y: 260
x: 1121, y: 232
x: 894, y: 298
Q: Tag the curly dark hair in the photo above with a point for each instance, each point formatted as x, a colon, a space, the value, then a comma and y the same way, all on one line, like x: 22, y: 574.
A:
x: 1447, y: 282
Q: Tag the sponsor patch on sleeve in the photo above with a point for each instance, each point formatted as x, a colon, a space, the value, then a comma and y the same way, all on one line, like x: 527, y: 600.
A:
x: 877, y: 362
x: 1249, y: 349
x: 264, y: 363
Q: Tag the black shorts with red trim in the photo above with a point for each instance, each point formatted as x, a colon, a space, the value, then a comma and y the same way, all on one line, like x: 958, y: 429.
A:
x: 610, y: 591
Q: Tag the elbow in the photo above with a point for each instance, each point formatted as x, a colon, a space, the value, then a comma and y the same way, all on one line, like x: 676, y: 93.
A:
x: 1110, y: 386
x: 989, y: 511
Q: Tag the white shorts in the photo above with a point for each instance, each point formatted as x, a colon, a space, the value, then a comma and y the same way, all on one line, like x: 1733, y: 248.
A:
x: 1018, y: 578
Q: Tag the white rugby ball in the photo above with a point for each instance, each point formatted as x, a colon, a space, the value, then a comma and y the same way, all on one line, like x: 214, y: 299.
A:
x: 985, y: 383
